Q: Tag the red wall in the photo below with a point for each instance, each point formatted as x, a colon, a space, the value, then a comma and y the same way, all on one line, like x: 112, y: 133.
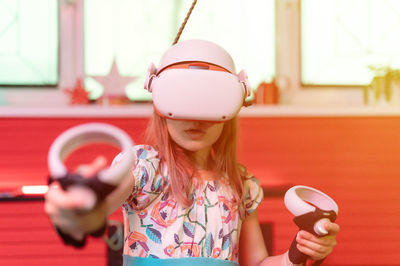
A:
x: 355, y: 160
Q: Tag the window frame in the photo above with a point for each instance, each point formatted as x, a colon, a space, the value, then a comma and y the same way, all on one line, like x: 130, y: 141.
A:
x: 49, y: 86
x: 289, y: 56
x: 287, y: 61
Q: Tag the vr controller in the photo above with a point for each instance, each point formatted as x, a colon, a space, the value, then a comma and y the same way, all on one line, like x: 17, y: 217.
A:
x: 95, y: 188
x: 78, y: 136
x: 312, y: 209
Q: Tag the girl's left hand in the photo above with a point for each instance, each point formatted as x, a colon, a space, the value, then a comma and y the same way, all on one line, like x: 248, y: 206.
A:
x: 315, y: 247
x: 65, y: 208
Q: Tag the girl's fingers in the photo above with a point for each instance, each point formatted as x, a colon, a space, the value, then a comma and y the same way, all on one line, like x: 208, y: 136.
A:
x: 317, y: 247
x: 76, y: 197
x: 61, y: 209
x: 68, y: 209
x: 321, y: 245
x: 306, y: 237
x: 62, y: 200
x: 332, y: 228
x: 93, y: 168
x: 315, y: 255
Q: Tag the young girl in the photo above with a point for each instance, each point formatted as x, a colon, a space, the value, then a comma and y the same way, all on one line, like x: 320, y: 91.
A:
x: 187, y: 200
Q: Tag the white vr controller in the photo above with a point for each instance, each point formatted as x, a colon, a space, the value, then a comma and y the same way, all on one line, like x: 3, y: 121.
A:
x: 96, y: 188
x: 312, y: 209
x: 302, y: 199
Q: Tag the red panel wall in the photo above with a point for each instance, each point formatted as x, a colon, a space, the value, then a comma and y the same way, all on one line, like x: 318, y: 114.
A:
x: 354, y: 159
x: 26, y: 235
x: 26, y: 238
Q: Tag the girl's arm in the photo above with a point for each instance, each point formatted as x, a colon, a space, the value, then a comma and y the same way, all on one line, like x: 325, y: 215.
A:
x: 252, y: 250
x: 63, y: 208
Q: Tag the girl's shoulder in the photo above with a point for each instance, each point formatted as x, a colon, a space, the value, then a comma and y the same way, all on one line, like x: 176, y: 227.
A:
x: 144, y: 151
x: 253, y: 192
x: 148, y: 181
x: 141, y: 152
x: 146, y: 164
x: 246, y: 175
x: 250, y: 182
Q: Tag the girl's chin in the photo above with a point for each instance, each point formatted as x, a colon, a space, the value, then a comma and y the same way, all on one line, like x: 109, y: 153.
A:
x: 194, y: 146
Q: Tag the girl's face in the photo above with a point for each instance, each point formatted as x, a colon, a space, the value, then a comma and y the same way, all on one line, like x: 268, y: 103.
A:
x: 194, y: 136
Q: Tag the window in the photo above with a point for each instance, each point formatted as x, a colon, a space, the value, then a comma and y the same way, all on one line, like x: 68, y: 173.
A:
x: 341, y: 39
x: 136, y: 33
x: 28, y: 42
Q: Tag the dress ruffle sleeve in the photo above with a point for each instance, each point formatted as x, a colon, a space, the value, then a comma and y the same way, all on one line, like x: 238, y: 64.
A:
x: 253, y: 193
x: 148, y: 182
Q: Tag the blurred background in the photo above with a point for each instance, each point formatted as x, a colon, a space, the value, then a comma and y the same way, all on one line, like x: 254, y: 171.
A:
x: 325, y: 77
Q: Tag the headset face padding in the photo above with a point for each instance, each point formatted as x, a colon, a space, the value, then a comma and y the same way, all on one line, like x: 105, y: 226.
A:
x: 196, y: 80
x: 216, y: 96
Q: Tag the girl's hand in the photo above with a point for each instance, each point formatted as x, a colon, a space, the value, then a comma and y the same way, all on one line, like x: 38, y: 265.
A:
x: 315, y: 247
x: 63, y: 207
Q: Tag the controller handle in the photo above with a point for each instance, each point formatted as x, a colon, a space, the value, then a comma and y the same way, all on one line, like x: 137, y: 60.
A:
x: 312, y: 209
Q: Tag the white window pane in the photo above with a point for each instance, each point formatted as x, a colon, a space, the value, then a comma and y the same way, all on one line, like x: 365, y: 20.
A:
x: 342, y: 38
x: 246, y: 29
x: 28, y: 42
x: 136, y: 33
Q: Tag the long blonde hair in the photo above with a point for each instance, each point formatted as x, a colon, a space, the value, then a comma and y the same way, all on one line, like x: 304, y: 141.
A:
x: 181, y: 169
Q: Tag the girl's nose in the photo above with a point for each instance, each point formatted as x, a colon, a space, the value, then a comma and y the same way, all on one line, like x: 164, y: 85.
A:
x: 203, y: 124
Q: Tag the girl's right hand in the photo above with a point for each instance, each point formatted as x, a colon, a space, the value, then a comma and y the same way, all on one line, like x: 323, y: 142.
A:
x: 65, y: 209
x: 318, y: 247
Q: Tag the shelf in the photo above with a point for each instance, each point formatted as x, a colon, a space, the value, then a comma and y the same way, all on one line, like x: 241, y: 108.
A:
x: 146, y: 109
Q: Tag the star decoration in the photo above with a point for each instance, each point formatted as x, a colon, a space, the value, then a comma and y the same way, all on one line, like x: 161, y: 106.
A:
x: 78, y: 94
x: 114, y: 84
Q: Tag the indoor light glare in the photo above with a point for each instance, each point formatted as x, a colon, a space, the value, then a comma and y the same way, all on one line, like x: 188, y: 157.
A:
x: 34, y: 190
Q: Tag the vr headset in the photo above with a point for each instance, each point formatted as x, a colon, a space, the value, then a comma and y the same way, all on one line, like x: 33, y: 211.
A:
x: 196, y: 80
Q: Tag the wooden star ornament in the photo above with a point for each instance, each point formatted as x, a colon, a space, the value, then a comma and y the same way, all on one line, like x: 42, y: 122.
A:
x: 114, y: 84
x: 78, y: 94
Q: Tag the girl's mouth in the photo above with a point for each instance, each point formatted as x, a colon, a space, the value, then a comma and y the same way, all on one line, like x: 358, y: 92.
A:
x: 195, y: 133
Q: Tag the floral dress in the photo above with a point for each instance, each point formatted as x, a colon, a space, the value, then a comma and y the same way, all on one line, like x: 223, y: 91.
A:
x: 157, y: 226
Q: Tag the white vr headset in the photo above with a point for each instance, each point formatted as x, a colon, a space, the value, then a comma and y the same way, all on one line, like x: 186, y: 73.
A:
x: 196, y: 80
